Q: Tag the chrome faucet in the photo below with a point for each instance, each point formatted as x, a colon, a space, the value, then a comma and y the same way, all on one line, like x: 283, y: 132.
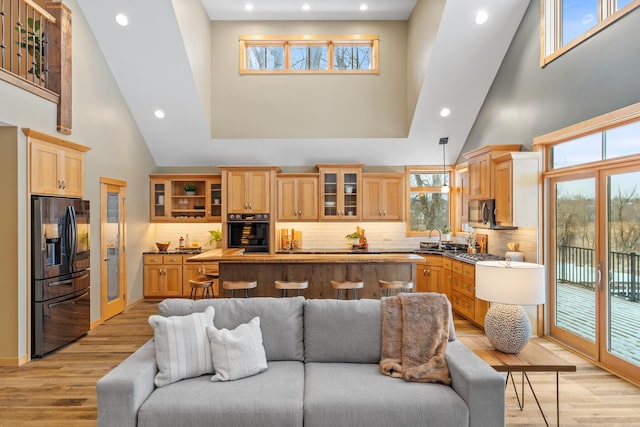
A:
x: 439, y: 236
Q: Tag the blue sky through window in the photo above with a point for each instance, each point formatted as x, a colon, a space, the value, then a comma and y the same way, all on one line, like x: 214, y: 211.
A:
x: 578, y: 16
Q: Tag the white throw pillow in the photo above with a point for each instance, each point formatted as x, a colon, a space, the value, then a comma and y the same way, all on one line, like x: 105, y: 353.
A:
x: 238, y: 353
x: 182, y: 346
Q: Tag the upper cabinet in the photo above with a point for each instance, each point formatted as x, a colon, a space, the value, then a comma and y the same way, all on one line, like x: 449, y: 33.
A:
x: 248, y: 189
x: 297, y: 197
x: 185, y: 198
x: 516, y: 189
x: 340, y: 191
x: 480, y: 168
x: 382, y: 197
x: 56, y: 166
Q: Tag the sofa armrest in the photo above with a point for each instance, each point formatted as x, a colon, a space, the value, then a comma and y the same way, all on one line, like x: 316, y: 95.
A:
x: 481, y: 387
x: 124, y: 389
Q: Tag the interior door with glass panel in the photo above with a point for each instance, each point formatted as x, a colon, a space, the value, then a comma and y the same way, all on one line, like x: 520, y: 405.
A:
x: 620, y: 264
x: 112, y: 272
x: 573, y: 296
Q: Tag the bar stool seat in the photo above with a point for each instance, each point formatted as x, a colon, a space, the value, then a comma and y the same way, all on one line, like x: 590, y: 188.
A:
x: 343, y: 288
x: 291, y: 286
x: 201, y: 283
x: 233, y: 285
x: 394, y: 286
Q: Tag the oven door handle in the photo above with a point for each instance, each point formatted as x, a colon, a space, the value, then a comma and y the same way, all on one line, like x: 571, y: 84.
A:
x: 67, y: 301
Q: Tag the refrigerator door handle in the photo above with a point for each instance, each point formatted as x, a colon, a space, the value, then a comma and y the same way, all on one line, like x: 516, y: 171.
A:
x: 72, y: 235
x: 67, y: 301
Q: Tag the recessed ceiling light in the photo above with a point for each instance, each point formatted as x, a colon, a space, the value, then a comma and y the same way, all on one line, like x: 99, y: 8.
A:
x: 445, y: 112
x: 122, y: 19
x: 159, y: 114
x: 481, y: 17
x: 364, y: 6
x: 306, y: 6
x: 248, y: 6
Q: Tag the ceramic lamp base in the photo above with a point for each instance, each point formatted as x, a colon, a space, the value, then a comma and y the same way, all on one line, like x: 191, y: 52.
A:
x: 507, y: 327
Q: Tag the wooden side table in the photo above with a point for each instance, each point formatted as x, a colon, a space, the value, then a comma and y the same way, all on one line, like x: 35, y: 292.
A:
x: 533, y: 358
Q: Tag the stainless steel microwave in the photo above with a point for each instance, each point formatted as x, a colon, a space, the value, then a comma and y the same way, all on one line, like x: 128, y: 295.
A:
x: 482, y: 214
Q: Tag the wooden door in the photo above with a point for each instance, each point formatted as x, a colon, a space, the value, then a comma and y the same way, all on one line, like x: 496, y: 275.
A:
x: 422, y: 282
x: 172, y: 280
x: 372, y: 193
x: 287, y: 199
x: 237, y: 192
x: 113, y: 282
x: 153, y: 280
x: 479, y: 176
x: 45, y: 175
x: 73, y: 173
x: 393, y: 198
x: 259, y: 191
x: 503, y: 178
x: 307, y: 198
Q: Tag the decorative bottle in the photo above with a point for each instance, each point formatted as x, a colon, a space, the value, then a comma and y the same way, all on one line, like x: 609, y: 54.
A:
x: 181, y: 242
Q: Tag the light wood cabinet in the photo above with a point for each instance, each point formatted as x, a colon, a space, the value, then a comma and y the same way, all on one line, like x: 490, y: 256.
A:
x: 447, y: 279
x: 172, y: 200
x: 480, y: 168
x: 430, y: 274
x: 248, y: 191
x: 382, y: 197
x: 463, y: 288
x: 162, y: 276
x: 56, y: 166
x: 340, y: 188
x: 516, y: 189
x: 297, y: 197
x: 461, y: 196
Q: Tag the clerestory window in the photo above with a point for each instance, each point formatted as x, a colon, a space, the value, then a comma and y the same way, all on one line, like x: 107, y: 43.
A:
x: 308, y: 54
x: 567, y: 23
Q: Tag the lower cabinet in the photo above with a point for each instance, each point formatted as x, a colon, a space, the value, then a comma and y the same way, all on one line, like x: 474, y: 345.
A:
x: 463, y: 298
x: 430, y: 277
x: 167, y: 276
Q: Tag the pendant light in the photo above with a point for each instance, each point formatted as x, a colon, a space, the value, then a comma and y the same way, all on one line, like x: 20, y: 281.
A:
x: 445, y: 186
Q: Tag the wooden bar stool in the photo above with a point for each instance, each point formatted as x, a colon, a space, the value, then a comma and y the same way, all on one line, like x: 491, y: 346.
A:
x: 293, y: 286
x: 394, y: 286
x: 343, y: 288
x: 234, y: 285
x: 201, y: 283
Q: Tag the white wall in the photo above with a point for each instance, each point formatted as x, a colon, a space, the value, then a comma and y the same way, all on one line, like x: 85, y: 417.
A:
x: 101, y: 121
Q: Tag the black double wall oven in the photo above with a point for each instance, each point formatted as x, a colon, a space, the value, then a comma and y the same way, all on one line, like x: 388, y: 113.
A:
x: 249, y: 232
x: 60, y: 310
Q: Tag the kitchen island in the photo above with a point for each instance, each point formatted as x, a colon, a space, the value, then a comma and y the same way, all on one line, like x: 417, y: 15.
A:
x: 318, y: 269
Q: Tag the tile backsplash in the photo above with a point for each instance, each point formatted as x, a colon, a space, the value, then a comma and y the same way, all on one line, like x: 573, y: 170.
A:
x: 380, y: 235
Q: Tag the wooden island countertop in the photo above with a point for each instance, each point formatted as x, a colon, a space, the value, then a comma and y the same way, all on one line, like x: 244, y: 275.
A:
x: 317, y: 269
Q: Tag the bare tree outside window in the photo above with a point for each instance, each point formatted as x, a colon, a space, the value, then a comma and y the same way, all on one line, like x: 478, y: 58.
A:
x: 265, y: 58
x: 428, y: 208
x: 351, y: 57
x: 309, y: 58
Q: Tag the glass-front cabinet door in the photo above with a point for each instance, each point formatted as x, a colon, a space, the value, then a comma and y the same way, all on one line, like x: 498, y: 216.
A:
x: 340, y: 192
x: 160, y: 199
x: 214, y: 186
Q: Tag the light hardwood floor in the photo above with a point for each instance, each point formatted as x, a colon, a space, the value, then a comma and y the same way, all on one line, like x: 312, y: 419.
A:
x: 59, y: 390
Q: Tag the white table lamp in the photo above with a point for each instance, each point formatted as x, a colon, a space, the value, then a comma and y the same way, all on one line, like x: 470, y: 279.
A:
x: 508, y: 286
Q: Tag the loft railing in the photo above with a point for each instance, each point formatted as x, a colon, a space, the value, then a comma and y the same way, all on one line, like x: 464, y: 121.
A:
x: 35, y: 52
x: 577, y: 266
x: 25, y: 30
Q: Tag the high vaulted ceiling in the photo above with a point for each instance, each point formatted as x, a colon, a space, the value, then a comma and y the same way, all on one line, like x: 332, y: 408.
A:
x: 160, y: 62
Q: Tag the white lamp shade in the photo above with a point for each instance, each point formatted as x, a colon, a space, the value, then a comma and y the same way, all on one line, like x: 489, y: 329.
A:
x: 519, y: 283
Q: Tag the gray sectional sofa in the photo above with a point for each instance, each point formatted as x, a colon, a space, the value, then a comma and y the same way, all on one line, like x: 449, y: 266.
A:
x: 323, y: 371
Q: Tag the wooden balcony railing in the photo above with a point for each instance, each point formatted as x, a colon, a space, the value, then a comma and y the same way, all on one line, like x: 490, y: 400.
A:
x: 35, y: 52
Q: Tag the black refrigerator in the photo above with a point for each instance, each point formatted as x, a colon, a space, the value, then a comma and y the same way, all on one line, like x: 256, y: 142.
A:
x: 60, y: 273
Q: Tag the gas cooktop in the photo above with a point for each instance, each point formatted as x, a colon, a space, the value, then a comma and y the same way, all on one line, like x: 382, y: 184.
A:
x: 475, y: 257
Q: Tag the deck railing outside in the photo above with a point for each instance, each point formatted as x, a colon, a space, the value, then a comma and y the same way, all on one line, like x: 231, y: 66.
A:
x: 24, y: 42
x: 577, y: 266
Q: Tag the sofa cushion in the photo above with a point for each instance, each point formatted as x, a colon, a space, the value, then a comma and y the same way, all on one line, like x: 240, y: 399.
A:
x: 237, y: 353
x: 182, y: 346
x: 271, y: 399
x: 280, y: 320
x: 352, y: 394
x: 342, y: 331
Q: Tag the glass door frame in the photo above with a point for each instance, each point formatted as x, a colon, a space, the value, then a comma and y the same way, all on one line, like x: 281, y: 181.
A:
x: 110, y: 308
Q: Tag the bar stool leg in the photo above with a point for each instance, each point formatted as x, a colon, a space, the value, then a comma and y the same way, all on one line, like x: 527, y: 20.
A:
x: 232, y: 293
x: 246, y: 293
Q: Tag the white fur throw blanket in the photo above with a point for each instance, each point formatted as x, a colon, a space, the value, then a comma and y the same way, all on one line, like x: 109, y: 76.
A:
x: 415, y: 331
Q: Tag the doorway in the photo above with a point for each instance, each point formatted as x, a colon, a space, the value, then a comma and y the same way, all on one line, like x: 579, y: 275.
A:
x: 595, y: 295
x: 112, y: 247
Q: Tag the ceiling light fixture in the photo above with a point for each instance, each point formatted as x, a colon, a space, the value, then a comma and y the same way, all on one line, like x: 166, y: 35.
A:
x: 122, y: 19
x: 481, y: 17
x: 248, y: 7
x: 364, y: 7
x: 445, y: 112
x: 445, y: 186
x: 306, y: 6
x: 159, y: 114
